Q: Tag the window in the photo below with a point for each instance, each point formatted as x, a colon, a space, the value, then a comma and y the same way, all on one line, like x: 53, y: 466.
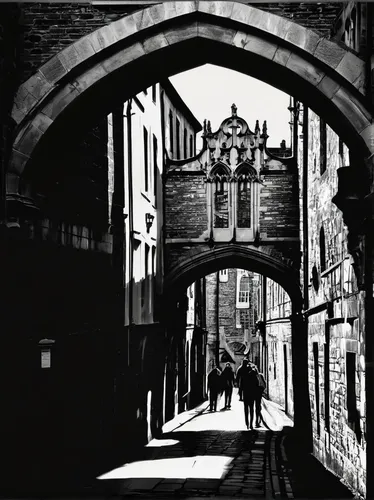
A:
x: 322, y: 249
x: 191, y: 145
x: 155, y: 166
x: 244, y: 200
x: 221, y: 198
x: 171, y: 132
x: 178, y: 139
x: 145, y: 147
x: 351, y: 386
x: 244, y: 289
x: 154, y: 93
x: 323, y: 146
x: 185, y: 154
x: 223, y: 275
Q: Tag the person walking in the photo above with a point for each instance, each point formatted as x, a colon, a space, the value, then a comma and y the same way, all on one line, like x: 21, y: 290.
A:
x: 214, y: 383
x: 259, y: 393
x: 227, y: 379
x: 241, y: 370
x: 249, y: 384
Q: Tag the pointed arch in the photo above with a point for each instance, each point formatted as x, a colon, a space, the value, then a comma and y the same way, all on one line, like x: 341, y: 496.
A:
x: 290, y: 57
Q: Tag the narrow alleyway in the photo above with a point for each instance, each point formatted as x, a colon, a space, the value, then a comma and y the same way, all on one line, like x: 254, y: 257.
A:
x: 203, y: 454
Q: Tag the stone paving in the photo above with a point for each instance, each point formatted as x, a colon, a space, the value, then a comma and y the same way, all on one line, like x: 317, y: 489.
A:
x: 212, y: 454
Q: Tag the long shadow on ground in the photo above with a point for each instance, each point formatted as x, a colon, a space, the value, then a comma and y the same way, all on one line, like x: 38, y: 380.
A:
x: 308, y: 476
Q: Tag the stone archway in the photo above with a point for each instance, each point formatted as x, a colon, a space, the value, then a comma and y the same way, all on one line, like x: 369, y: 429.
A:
x: 299, y: 61
x: 199, y: 263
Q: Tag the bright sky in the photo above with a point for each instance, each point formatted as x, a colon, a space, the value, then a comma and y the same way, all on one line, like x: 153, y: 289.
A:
x: 209, y: 91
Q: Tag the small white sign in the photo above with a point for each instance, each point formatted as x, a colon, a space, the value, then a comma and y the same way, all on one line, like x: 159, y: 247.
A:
x: 46, y: 358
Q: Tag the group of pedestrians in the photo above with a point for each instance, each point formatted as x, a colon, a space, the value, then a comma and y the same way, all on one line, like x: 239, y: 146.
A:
x: 251, y: 386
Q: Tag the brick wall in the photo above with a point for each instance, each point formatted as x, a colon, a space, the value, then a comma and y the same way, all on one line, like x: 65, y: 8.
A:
x: 279, y: 215
x: 185, y: 206
x: 231, y: 336
x: 48, y: 28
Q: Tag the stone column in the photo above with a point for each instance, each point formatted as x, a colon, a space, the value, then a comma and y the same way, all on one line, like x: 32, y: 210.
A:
x: 302, y: 413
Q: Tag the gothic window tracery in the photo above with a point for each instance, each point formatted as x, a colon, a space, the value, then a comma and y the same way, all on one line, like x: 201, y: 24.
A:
x: 220, y: 184
x: 245, y: 177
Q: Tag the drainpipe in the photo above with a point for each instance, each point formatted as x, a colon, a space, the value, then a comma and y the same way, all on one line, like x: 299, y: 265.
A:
x: 131, y: 224
x: 305, y: 207
x: 217, y: 320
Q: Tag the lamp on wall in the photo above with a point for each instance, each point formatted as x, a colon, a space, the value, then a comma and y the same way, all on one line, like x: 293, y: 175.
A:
x: 149, y: 221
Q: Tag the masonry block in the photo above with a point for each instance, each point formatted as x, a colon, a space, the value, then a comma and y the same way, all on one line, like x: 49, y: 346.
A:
x: 307, y: 71
x: 282, y: 56
x: 53, y: 70
x: 155, y: 43
x: 178, y: 34
x: 215, y: 32
x: 123, y: 57
x: 256, y: 45
x: 353, y: 110
x: 102, y: 38
x: 328, y: 52
x: 328, y: 86
x: 350, y: 67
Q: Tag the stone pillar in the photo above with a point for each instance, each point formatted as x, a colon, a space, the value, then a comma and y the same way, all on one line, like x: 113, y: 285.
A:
x: 302, y: 413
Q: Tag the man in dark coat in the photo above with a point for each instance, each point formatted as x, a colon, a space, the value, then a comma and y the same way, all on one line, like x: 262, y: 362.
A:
x: 250, y: 388
x: 214, y: 386
x: 241, y: 370
x: 259, y: 392
x: 227, y: 378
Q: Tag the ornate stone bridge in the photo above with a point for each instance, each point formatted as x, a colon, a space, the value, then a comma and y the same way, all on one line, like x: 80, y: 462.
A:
x: 235, y: 203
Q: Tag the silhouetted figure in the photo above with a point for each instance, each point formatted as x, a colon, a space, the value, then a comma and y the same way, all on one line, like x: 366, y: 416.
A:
x: 259, y: 393
x: 242, y: 368
x: 249, y: 384
x: 214, y: 386
x: 227, y: 379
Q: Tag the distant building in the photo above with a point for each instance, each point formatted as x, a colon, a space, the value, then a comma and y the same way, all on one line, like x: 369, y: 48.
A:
x: 231, y: 300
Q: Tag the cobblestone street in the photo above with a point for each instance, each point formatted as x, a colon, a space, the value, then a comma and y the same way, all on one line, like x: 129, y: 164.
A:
x: 212, y: 454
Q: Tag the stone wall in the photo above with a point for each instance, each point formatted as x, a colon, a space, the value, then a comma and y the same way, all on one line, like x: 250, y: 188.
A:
x: 336, y: 322
x: 279, y: 215
x: 50, y: 28
x: 185, y: 205
x: 279, y: 377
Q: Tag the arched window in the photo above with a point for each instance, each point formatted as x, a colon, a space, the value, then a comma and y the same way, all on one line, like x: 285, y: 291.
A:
x: 220, y: 187
x: 322, y: 249
x: 244, y: 290
x: 245, y: 176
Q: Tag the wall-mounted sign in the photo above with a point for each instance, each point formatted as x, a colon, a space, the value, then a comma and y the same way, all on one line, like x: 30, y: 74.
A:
x: 46, y: 358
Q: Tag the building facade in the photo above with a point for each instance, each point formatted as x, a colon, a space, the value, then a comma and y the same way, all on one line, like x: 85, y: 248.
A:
x: 231, y: 304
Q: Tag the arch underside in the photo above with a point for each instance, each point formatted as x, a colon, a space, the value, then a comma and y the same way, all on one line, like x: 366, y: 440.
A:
x: 119, y: 60
x: 199, y: 263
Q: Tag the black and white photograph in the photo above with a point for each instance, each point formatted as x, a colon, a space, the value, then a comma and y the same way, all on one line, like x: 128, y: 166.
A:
x: 187, y: 249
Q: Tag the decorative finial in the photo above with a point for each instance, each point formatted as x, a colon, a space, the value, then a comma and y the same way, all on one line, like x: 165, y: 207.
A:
x: 209, y: 127
x: 234, y: 109
x: 264, y: 128
x: 257, y: 127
